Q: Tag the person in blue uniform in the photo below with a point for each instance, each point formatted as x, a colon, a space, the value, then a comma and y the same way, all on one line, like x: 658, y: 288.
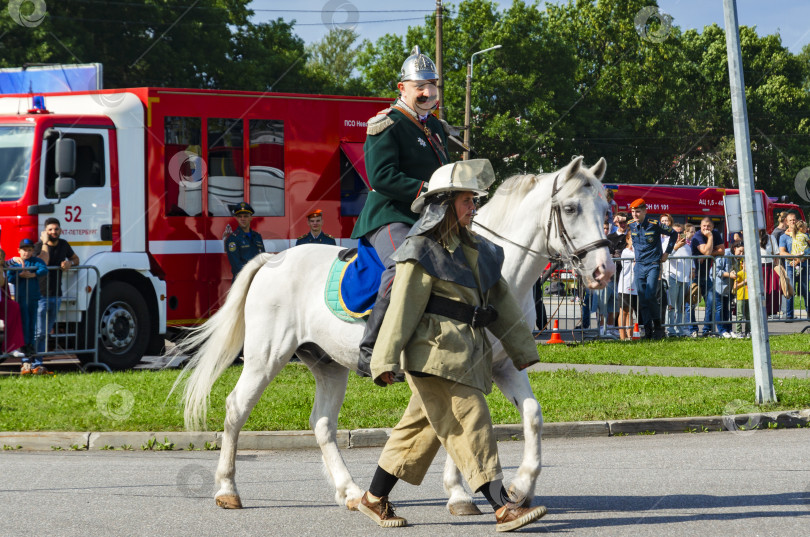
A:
x: 315, y: 234
x: 646, y: 235
x: 244, y: 243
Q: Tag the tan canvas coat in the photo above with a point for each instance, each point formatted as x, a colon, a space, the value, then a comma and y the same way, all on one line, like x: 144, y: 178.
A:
x: 412, y: 340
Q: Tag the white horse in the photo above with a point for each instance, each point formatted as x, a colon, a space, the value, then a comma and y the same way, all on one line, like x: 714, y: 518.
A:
x: 276, y: 309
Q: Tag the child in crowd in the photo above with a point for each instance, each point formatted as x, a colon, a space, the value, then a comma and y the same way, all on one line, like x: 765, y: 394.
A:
x: 741, y: 287
x: 800, y: 238
x: 26, y: 291
x: 628, y: 296
x: 724, y: 275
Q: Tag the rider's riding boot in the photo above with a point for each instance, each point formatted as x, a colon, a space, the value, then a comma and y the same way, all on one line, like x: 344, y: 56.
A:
x: 373, y: 325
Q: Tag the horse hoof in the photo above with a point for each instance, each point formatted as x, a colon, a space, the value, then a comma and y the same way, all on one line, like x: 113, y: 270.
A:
x: 464, y: 509
x: 229, y: 501
x: 352, y: 503
x: 525, y: 501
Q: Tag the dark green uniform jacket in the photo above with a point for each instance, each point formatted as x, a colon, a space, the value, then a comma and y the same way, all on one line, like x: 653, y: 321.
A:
x: 399, y: 160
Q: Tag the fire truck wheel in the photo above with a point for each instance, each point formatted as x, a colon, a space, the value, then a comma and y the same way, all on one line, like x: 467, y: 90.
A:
x: 124, y: 326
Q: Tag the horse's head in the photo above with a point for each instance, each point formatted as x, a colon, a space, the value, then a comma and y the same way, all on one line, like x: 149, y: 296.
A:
x: 575, y: 223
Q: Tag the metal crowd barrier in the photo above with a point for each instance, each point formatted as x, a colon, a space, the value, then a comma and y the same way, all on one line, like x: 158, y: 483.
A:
x: 683, y: 294
x: 64, y: 324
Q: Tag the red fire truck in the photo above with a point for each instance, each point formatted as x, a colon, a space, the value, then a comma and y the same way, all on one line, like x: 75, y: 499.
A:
x: 155, y: 172
x: 692, y: 203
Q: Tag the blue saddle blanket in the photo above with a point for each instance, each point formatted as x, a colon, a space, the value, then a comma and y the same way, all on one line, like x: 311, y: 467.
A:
x: 360, y: 280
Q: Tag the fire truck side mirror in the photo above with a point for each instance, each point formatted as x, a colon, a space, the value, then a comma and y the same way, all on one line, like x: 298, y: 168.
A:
x: 65, y: 186
x: 65, y: 167
x: 65, y: 156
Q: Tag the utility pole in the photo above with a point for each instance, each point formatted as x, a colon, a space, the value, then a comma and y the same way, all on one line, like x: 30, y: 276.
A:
x: 439, y: 44
x: 763, y: 374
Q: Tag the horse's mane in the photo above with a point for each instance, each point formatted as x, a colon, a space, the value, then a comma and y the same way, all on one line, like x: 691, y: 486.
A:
x: 506, y: 201
x: 507, y: 198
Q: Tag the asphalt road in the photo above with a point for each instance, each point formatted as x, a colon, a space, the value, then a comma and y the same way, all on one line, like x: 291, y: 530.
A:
x: 753, y: 483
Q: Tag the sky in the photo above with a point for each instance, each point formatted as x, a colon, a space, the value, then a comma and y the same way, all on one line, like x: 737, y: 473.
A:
x: 375, y: 18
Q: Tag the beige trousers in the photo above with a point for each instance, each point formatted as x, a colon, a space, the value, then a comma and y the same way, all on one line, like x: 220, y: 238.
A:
x: 443, y: 412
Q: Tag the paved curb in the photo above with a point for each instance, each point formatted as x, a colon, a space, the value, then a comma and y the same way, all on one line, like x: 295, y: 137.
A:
x: 359, y: 438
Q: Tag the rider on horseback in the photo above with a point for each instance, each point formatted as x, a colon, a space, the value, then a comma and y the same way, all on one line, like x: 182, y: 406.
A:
x: 404, y: 146
x: 448, y: 289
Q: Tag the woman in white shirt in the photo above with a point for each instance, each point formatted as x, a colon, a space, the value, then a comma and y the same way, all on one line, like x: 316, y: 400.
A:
x: 628, y: 297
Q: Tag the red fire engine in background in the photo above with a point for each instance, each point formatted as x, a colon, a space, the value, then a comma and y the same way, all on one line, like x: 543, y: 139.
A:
x: 155, y: 172
x: 693, y: 203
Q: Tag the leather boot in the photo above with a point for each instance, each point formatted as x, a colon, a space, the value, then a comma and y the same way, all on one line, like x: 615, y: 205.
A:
x: 648, y: 330
x: 373, y: 325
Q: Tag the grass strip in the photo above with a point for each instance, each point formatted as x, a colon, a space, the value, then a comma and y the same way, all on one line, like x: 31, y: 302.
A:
x: 136, y: 400
x: 682, y: 352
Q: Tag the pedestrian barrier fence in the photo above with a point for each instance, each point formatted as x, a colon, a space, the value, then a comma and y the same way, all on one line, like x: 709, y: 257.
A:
x: 51, y: 315
x: 695, y: 295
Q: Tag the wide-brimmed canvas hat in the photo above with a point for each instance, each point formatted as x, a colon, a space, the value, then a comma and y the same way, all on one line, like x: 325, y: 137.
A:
x: 474, y: 175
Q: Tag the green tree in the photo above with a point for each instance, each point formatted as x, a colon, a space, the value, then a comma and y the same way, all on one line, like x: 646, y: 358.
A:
x: 333, y: 57
x: 204, y: 44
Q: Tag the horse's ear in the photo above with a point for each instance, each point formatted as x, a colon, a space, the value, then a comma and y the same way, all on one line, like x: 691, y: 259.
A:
x: 598, y: 169
x: 573, y: 168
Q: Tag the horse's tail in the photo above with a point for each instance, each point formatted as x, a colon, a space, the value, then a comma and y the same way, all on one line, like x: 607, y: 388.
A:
x: 214, y: 345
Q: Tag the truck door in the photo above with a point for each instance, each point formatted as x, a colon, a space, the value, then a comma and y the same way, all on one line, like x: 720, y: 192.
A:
x: 86, y: 214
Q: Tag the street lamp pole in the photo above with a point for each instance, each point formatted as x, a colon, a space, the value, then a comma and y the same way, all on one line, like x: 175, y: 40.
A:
x: 469, y: 95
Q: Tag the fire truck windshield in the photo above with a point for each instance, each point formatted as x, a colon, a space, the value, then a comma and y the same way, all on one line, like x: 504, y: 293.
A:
x: 16, y: 145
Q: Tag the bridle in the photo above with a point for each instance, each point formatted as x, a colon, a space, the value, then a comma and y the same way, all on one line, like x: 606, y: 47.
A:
x: 576, y: 255
x: 555, y: 217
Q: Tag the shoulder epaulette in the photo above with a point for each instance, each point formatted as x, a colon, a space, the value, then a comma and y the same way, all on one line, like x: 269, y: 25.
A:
x: 328, y: 235
x: 651, y: 221
x: 302, y: 236
x: 380, y: 122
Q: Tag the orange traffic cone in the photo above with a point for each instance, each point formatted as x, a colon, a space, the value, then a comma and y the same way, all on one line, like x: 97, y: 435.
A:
x: 636, y: 333
x: 555, y: 334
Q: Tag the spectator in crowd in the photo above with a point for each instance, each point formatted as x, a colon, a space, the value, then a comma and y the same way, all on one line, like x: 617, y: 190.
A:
x: 55, y: 252
x: 781, y: 227
x: 795, y: 266
x: 724, y: 276
x: 678, y: 279
x: 541, y: 318
x: 618, y: 236
x: 741, y: 290
x: 773, y: 292
x: 606, y: 301
x: 776, y: 234
x: 799, y: 244
x: 243, y: 244
x: 708, y: 242
x: 662, y: 293
x: 618, y: 242
x: 628, y: 297
x: 26, y: 291
x: 13, y: 339
x: 646, y: 235
x: 315, y: 235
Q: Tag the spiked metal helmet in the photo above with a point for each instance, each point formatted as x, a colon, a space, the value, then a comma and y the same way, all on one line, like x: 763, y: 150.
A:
x: 418, y: 66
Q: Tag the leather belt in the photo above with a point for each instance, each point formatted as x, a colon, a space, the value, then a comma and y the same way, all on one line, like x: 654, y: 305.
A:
x: 475, y: 316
